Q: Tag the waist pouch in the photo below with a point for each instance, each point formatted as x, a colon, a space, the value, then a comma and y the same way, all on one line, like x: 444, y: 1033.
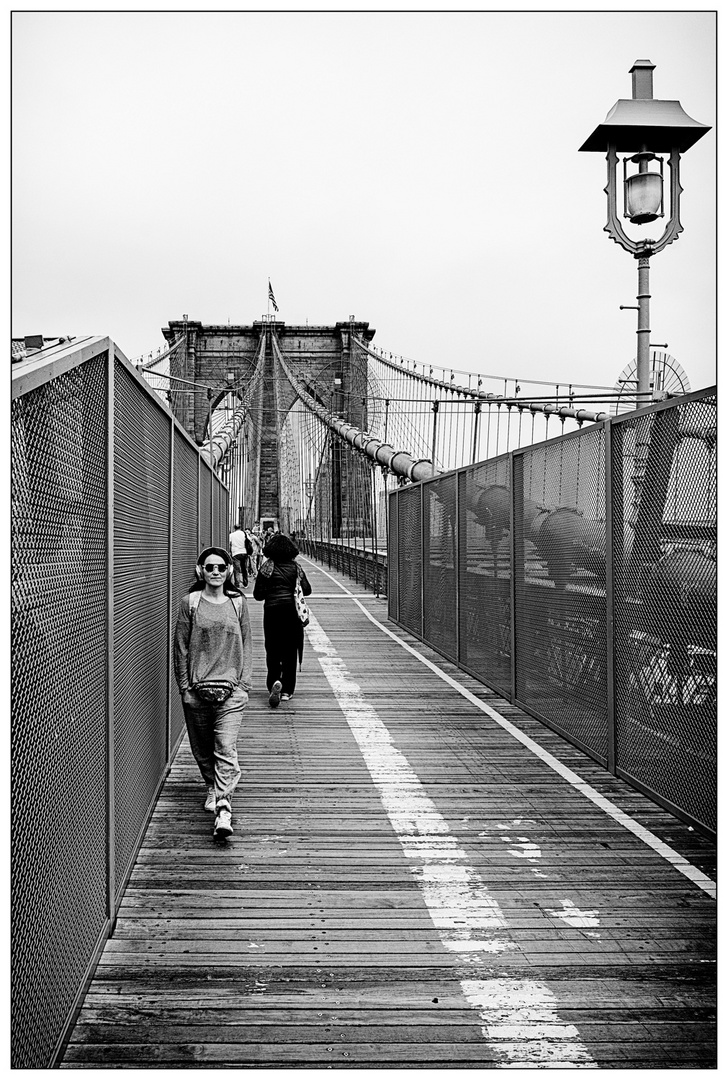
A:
x: 215, y: 691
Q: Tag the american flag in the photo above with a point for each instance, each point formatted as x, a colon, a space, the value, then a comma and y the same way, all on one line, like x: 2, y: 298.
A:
x: 271, y: 297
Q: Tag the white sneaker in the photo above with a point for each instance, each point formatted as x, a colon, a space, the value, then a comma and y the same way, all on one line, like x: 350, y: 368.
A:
x: 223, y: 823
x: 286, y: 697
x: 275, y: 695
x: 210, y: 801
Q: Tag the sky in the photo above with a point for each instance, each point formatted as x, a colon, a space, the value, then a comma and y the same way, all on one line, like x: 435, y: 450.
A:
x: 418, y: 170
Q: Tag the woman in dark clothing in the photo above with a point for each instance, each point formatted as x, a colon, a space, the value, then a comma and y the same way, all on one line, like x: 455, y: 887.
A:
x: 275, y: 584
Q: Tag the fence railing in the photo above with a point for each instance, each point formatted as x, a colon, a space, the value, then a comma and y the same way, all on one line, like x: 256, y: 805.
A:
x: 578, y: 578
x: 111, y: 502
x: 361, y: 563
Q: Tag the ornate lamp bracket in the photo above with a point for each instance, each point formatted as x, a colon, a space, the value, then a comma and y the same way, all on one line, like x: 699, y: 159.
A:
x: 642, y: 249
x: 614, y: 226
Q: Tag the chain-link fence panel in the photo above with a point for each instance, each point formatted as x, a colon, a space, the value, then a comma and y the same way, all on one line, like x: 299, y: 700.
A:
x: 392, y: 559
x: 205, y: 506
x: 485, y: 571
x: 665, y: 597
x: 184, y: 547
x: 409, y: 558
x: 220, y: 530
x: 560, y: 586
x: 58, y: 700
x: 141, y: 634
x: 439, y: 523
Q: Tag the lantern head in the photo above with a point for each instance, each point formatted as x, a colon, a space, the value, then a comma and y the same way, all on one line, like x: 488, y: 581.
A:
x: 640, y: 129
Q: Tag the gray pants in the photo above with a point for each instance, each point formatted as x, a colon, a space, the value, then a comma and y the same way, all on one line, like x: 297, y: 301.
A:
x: 213, y: 733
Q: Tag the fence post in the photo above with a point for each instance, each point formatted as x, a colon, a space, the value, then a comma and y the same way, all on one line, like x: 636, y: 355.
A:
x: 513, y: 553
x: 456, y: 556
x: 609, y: 583
x: 110, y: 808
x: 422, y: 559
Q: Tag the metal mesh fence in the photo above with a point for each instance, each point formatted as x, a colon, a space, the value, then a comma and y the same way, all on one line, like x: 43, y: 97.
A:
x: 531, y: 561
x: 58, y: 699
x: 64, y: 894
x: 665, y: 603
x: 560, y: 595
x: 439, y: 591
x: 205, y: 505
x: 484, y: 524
x: 185, y: 548
x: 409, y: 557
x: 141, y: 653
x: 219, y: 535
x: 392, y: 562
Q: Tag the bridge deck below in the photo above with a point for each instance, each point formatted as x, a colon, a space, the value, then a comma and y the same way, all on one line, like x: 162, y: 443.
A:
x: 408, y: 886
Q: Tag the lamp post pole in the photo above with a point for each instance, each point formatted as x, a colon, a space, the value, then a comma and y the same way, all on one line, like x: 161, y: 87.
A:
x: 643, y: 327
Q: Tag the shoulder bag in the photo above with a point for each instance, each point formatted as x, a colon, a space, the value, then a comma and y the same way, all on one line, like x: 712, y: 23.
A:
x: 298, y: 599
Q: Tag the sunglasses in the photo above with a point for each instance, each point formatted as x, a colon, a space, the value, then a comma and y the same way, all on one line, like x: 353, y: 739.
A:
x: 211, y: 567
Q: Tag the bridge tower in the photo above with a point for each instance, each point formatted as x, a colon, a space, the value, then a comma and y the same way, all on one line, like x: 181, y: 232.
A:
x: 322, y: 359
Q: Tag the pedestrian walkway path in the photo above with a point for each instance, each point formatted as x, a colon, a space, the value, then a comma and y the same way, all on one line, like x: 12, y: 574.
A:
x: 420, y: 876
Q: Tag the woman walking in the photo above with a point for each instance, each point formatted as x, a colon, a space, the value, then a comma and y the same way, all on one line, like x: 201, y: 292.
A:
x: 213, y: 666
x: 276, y: 584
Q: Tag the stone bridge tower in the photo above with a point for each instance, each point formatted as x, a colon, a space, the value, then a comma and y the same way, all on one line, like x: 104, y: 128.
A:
x: 323, y: 358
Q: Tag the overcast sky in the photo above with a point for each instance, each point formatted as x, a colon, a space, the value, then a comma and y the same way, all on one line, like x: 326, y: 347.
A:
x: 417, y: 170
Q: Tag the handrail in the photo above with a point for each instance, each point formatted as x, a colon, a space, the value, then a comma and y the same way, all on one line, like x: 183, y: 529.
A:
x: 580, y: 415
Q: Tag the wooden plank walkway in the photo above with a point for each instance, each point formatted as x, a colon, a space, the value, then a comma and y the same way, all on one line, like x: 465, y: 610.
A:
x: 408, y: 886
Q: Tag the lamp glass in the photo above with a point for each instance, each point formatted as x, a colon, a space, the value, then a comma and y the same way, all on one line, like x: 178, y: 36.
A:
x: 643, y: 197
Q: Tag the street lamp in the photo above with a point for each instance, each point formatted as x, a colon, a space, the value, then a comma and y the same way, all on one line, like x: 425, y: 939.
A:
x: 641, y: 129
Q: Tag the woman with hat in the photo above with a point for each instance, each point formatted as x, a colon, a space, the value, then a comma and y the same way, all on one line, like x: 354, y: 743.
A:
x: 213, y: 666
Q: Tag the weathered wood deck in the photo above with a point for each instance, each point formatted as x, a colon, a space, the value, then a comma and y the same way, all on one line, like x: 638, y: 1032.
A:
x: 408, y: 886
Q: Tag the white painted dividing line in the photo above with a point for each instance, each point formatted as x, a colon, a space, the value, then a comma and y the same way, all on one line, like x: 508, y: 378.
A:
x: 522, y: 1025
x: 338, y: 596
x: 680, y: 863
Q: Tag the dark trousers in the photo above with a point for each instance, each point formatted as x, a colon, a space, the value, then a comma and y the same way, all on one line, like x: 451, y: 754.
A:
x: 241, y: 569
x: 283, y: 632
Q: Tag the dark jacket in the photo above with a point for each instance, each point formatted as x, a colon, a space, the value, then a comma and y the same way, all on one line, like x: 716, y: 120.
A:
x: 277, y: 586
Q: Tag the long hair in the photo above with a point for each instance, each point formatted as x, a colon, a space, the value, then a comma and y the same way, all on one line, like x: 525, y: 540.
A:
x: 280, y: 548
x: 229, y: 587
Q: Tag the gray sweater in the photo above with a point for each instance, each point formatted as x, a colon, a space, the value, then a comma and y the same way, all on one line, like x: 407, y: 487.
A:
x: 213, y: 643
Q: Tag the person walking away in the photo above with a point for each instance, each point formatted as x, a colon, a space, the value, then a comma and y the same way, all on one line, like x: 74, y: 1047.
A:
x: 249, y: 551
x: 239, y: 552
x: 213, y: 667
x: 282, y: 629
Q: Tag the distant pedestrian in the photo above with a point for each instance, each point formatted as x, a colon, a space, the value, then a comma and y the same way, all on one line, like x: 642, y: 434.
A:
x: 257, y: 547
x: 239, y: 552
x: 213, y: 666
x: 250, y: 552
x: 282, y: 628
